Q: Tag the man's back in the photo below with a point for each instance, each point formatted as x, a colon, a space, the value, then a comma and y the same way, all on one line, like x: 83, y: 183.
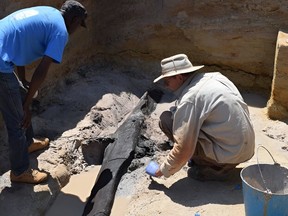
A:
x: 31, y: 33
x: 222, y: 124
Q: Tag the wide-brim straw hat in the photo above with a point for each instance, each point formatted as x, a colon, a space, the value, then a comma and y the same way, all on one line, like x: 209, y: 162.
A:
x: 177, y: 64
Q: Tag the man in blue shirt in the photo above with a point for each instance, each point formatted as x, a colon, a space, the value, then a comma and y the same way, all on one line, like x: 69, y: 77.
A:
x: 27, y: 35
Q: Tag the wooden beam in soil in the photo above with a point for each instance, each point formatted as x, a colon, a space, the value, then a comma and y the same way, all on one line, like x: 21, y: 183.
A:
x: 118, y: 156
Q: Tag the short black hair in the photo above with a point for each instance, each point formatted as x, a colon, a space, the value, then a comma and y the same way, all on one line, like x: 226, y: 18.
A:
x: 74, y: 8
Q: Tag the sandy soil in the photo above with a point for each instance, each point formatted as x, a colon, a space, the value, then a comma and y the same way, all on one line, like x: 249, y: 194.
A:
x: 141, y: 195
x: 92, y: 103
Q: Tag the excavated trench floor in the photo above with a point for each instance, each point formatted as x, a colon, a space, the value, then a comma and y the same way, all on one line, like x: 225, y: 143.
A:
x: 80, y: 116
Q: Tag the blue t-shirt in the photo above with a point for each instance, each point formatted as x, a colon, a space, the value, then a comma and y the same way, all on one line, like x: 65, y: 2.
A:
x: 29, y: 34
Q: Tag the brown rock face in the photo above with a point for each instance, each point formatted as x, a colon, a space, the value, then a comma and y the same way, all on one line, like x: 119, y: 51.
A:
x: 237, y: 38
x: 278, y: 103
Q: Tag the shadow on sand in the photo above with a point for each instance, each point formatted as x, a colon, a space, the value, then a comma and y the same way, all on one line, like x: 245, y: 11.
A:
x: 191, y: 193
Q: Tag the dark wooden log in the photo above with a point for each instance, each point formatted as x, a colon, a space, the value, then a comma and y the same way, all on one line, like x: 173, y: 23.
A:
x: 118, y: 156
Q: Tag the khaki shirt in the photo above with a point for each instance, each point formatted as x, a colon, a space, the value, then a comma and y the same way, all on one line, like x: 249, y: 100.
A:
x: 212, y: 113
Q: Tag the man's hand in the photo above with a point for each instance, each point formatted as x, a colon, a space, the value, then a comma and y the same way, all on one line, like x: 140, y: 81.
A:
x: 153, y: 169
x: 158, y: 173
x: 26, y: 85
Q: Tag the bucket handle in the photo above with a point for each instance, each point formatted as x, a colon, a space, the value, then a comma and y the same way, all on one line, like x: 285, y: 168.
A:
x: 275, y: 163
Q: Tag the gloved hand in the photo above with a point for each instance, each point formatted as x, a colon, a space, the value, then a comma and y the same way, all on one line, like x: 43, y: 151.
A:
x: 152, y: 167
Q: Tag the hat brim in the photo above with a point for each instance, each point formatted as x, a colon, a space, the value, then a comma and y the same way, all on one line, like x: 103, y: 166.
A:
x: 174, y: 73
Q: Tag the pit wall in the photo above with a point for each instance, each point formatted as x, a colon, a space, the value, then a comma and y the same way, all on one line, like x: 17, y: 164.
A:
x: 277, y: 106
x: 237, y: 38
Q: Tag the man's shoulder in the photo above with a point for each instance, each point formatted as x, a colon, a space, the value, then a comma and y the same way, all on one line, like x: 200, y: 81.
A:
x: 34, y: 11
x: 49, y: 17
x: 43, y: 8
x: 210, y: 74
x: 202, y: 83
x: 34, y: 15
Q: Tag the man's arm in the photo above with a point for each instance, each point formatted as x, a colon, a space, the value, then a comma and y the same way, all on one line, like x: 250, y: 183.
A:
x: 38, y: 78
x: 21, y: 73
x: 22, y: 76
x: 186, y: 127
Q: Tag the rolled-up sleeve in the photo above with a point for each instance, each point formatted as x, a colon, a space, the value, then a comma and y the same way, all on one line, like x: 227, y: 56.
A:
x: 186, y: 128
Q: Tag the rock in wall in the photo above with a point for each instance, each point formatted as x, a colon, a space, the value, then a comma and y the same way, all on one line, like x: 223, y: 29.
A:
x: 278, y: 104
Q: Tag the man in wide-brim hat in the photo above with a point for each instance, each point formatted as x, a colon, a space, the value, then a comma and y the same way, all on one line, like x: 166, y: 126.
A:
x: 210, y: 126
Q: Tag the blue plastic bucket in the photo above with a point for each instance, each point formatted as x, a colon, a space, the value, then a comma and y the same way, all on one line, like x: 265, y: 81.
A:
x: 265, y: 190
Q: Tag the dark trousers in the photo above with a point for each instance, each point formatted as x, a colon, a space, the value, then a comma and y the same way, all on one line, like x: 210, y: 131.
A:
x: 12, y: 95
